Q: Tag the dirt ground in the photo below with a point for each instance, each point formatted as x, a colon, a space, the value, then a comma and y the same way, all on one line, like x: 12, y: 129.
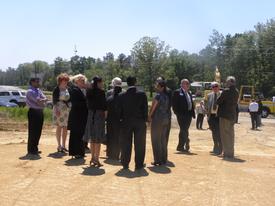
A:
x: 195, y: 179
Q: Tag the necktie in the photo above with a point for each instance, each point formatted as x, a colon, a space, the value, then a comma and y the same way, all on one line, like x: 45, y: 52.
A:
x: 215, y: 102
x: 188, y: 101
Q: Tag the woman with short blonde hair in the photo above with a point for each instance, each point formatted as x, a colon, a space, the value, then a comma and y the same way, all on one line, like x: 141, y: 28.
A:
x: 78, y: 116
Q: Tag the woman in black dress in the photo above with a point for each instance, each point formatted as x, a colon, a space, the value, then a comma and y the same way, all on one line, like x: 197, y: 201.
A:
x: 97, y: 113
x: 77, y: 116
x: 113, y: 122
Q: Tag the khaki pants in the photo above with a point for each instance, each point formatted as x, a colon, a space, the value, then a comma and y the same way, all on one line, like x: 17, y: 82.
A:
x: 227, y: 136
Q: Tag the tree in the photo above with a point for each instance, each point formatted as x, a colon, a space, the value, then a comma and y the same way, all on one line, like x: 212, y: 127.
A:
x: 61, y: 66
x: 150, y: 56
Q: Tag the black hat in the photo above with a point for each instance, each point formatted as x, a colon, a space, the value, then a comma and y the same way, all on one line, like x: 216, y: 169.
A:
x: 34, y: 79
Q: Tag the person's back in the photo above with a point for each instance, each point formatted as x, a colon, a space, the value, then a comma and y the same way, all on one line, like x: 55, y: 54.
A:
x: 253, y: 107
x: 133, y: 104
x: 133, y: 108
x: 227, y: 116
x: 113, y: 106
x: 227, y: 103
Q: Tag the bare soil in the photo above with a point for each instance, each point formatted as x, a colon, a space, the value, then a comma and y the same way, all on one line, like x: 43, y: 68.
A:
x: 198, y: 178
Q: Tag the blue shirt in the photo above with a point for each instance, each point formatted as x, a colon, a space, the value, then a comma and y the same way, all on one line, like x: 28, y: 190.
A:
x: 34, y: 97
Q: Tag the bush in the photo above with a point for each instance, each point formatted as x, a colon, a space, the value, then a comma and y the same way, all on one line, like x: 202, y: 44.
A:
x: 21, y: 114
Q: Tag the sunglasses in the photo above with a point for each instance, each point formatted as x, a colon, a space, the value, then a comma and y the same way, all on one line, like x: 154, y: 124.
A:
x: 215, y: 86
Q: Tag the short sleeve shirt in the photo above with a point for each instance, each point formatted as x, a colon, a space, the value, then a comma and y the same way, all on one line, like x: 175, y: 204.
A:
x: 162, y: 110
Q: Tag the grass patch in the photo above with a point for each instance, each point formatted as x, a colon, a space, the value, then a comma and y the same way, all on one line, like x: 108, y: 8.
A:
x: 21, y: 114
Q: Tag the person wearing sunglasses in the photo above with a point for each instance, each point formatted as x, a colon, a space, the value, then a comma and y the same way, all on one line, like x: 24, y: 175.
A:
x: 213, y: 120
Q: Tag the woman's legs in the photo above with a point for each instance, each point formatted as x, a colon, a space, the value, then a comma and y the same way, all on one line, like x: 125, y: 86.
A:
x: 58, y: 137
x: 64, y: 137
x: 97, y: 151
x: 92, y: 149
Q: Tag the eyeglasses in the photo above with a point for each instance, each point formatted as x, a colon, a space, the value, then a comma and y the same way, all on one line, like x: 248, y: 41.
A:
x: 215, y: 86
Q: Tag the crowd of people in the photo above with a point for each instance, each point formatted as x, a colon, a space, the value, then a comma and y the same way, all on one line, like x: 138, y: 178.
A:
x: 119, y: 118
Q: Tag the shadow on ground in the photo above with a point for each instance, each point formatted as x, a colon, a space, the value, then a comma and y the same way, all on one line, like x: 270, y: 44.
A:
x: 160, y: 169
x: 112, y: 162
x: 132, y: 174
x: 235, y: 159
x: 57, y: 155
x: 185, y: 153
x: 93, y: 171
x: 75, y: 162
x: 30, y: 157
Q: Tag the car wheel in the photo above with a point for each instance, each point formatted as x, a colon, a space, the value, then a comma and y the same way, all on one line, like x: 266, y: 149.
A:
x: 14, y: 101
x: 265, y: 112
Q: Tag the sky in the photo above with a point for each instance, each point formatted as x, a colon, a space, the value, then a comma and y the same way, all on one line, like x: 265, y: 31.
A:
x: 45, y: 29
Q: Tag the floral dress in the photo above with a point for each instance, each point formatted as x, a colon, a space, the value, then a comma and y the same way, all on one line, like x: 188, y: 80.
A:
x: 62, y: 109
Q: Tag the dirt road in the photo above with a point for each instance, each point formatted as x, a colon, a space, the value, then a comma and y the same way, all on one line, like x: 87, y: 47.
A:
x: 195, y: 179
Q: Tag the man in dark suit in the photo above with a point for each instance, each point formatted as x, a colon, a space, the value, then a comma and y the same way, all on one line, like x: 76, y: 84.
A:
x: 227, y: 113
x: 133, y: 108
x: 183, y: 107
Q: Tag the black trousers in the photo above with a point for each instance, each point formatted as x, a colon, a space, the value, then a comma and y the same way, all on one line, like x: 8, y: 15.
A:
x: 113, y: 145
x: 254, y: 119
x: 35, y: 119
x: 76, y: 143
x: 159, y: 140
x: 237, y: 118
x: 168, y: 131
x: 214, y: 125
x: 134, y: 128
x: 184, y: 122
x: 199, y: 121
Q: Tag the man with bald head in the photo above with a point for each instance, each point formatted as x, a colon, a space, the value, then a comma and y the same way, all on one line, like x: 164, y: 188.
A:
x: 183, y: 107
x: 227, y: 103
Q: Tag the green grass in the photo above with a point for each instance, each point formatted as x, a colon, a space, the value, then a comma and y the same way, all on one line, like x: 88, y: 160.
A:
x: 21, y: 114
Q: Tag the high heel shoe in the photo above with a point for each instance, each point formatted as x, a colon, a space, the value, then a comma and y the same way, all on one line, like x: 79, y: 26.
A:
x: 59, y: 149
x: 98, y: 164
x: 93, y: 162
x: 64, y: 149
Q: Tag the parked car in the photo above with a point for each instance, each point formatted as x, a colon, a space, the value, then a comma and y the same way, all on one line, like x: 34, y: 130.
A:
x: 7, y: 104
x: 49, y: 104
x: 13, y: 94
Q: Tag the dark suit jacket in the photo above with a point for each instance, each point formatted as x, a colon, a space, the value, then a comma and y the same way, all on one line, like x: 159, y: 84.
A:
x: 78, y: 114
x: 227, y: 103
x: 180, y: 105
x: 113, y: 109
x: 133, y: 104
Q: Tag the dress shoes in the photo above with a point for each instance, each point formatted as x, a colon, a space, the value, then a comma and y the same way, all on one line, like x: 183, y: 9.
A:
x: 125, y: 167
x: 156, y: 163
x: 187, y: 147
x: 138, y: 167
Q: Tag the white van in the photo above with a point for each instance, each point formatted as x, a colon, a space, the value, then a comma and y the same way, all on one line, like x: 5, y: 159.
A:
x: 13, y: 94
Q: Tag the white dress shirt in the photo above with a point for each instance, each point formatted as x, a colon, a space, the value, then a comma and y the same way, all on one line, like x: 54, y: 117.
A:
x: 253, y: 107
